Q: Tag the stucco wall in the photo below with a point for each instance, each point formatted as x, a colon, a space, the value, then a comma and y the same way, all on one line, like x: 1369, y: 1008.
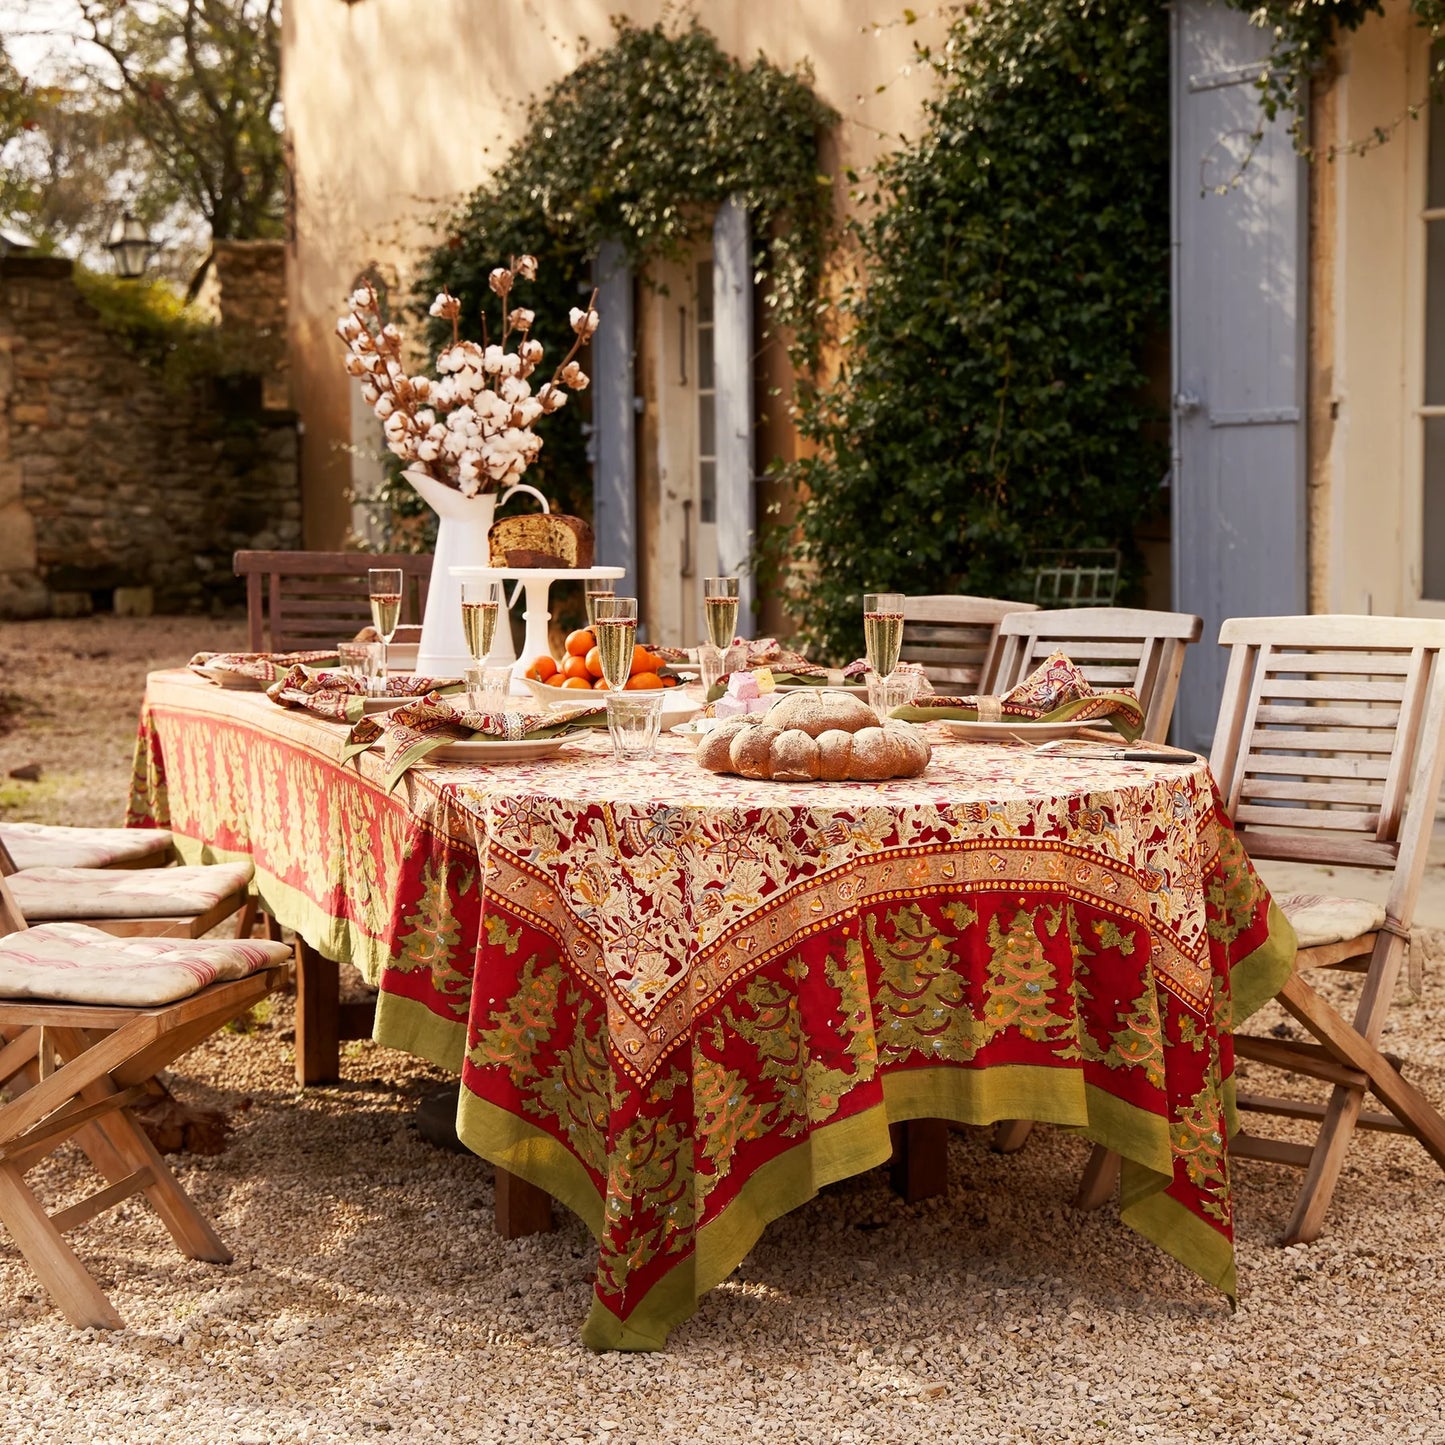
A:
x: 396, y: 109
x: 1366, y: 306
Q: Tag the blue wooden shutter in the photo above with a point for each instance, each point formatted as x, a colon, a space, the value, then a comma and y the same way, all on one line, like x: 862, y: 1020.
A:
x: 1238, y: 489
x: 614, y: 416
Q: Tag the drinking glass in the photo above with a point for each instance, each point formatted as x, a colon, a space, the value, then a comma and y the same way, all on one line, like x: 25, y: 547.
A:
x: 593, y: 589
x: 616, y: 633
x: 883, y: 630
x: 634, y: 720
x: 487, y: 688
x: 886, y: 693
x: 383, y: 584
x: 481, y: 610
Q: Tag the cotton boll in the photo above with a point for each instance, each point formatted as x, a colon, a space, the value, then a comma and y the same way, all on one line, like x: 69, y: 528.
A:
x: 500, y: 280
x: 526, y: 267
x: 530, y: 352
x: 572, y: 375
x: 385, y: 406
x: 513, y: 389
x: 522, y: 319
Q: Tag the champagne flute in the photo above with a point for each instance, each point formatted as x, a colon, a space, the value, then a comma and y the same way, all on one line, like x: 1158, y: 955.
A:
x: 383, y: 584
x: 616, y: 633
x: 594, y: 589
x: 720, y: 610
x: 883, y: 630
x: 481, y: 609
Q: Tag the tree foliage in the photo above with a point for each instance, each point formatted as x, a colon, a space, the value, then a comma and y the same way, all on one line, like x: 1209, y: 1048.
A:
x: 200, y: 83
x: 990, y: 396
x: 638, y: 145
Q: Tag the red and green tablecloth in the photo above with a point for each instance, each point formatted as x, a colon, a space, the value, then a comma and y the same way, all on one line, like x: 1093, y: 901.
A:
x: 681, y: 1002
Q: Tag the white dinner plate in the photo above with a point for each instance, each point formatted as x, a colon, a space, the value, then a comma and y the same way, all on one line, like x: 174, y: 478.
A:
x: 497, y: 750
x: 237, y: 681
x: 1007, y: 732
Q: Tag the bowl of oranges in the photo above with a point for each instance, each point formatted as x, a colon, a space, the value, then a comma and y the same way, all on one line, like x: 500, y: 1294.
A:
x: 580, y: 670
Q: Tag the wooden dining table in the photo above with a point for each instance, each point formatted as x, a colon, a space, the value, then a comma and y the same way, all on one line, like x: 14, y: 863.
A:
x: 681, y: 1003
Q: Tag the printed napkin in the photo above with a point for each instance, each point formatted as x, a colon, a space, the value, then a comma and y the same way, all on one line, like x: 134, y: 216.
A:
x: 416, y: 729
x: 342, y: 695
x: 1056, y: 691
x: 264, y: 667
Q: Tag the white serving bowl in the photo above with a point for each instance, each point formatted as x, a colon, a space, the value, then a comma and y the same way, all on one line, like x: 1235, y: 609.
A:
x: 677, y: 706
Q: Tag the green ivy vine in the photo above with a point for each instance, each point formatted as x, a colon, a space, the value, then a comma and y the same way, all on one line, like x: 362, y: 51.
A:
x: 991, y: 398
x: 1302, y: 35
x: 638, y: 145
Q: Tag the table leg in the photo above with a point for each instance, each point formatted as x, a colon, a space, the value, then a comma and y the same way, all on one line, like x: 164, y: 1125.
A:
x: 522, y: 1208
x: 318, y: 1012
x: 919, y: 1168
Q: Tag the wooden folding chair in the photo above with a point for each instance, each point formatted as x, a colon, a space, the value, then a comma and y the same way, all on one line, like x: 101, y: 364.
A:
x: 184, y: 902
x: 1113, y: 647
x: 46, y: 845
x: 71, y: 1068
x: 301, y: 600
x: 955, y: 639
x: 1329, y: 750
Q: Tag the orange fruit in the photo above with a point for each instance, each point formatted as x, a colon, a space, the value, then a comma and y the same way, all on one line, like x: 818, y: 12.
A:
x: 643, y: 661
x: 542, y: 668
x: 594, y: 662
x: 643, y: 682
x: 578, y: 682
x: 581, y: 642
x: 668, y: 681
x: 600, y: 685
x: 575, y: 667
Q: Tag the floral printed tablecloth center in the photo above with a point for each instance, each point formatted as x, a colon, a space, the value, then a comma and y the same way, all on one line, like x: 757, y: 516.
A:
x: 682, y: 1002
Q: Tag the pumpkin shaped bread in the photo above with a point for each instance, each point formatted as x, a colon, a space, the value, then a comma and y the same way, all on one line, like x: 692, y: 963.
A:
x: 815, y: 735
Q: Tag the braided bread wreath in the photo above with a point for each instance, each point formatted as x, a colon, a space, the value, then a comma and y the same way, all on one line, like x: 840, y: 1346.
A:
x: 815, y: 736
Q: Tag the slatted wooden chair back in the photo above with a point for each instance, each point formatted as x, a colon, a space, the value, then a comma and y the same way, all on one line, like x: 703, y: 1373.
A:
x: 302, y: 600
x: 955, y: 639
x: 1330, y: 749
x: 1325, y: 739
x: 1113, y: 646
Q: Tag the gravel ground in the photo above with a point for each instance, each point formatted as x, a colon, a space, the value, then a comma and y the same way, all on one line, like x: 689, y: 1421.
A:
x: 370, y: 1297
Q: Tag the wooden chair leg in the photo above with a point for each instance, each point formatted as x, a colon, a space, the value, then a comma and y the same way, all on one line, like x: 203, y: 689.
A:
x: 522, y: 1208
x: 55, y: 1264
x: 318, y: 1001
x: 919, y: 1168
x: 1099, y: 1180
x: 1354, y: 1046
x: 250, y: 913
x: 1010, y: 1135
x: 118, y: 1147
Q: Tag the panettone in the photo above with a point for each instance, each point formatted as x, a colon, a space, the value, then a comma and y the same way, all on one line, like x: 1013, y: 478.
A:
x: 538, y: 539
x: 815, y: 735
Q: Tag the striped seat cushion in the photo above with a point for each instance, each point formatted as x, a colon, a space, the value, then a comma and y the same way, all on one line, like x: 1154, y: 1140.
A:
x: 1320, y: 918
x: 40, y: 845
x: 48, y: 895
x: 71, y: 963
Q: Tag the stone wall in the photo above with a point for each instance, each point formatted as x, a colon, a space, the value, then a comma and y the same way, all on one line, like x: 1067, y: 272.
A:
x: 110, y: 481
x: 251, y: 298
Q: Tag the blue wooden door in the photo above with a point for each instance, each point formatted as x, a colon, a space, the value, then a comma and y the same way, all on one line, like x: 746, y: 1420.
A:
x: 1240, y: 234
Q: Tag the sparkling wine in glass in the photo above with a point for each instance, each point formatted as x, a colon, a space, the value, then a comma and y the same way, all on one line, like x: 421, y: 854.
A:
x: 481, y: 609
x: 883, y: 630
x: 720, y: 610
x: 383, y: 584
x: 616, y: 631
x: 593, y: 590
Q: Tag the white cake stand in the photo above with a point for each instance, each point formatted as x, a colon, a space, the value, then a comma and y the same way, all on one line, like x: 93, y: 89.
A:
x: 536, y: 583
